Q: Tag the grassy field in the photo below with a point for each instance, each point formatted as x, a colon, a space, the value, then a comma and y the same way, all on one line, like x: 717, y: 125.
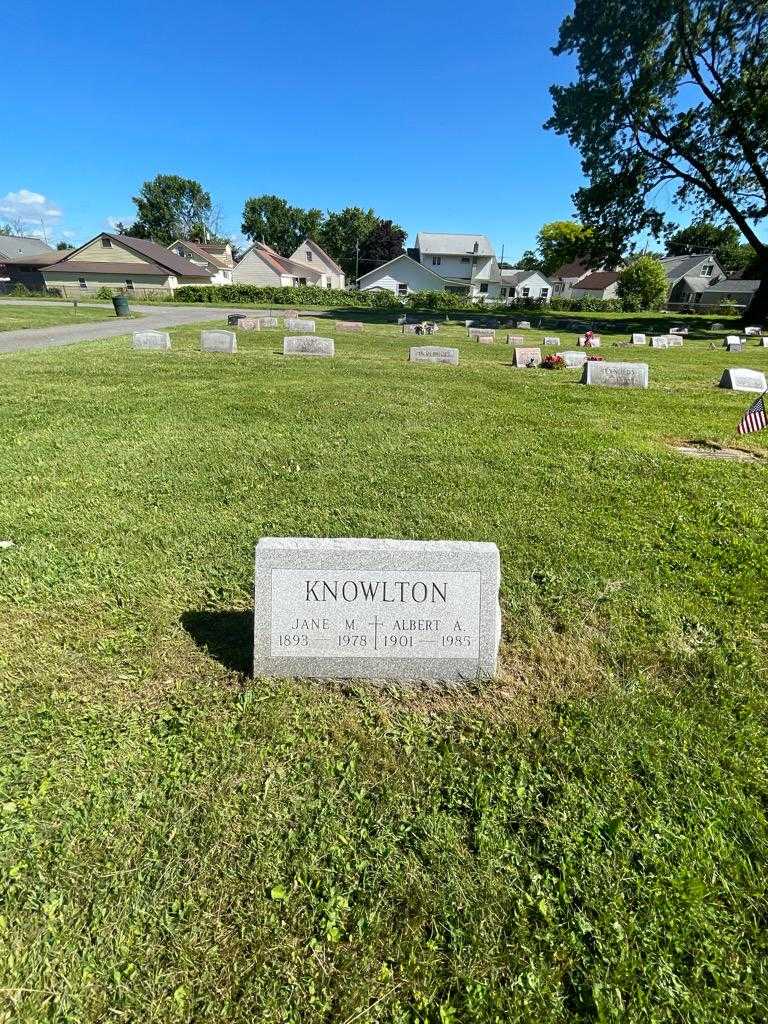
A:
x: 583, y: 840
x: 16, y: 318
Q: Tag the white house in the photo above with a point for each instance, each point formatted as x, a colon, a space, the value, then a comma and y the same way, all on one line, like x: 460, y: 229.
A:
x: 402, y: 275
x: 310, y: 255
x: 466, y: 263
x: 215, y: 260
x: 261, y: 265
x: 524, y: 284
x: 600, y: 284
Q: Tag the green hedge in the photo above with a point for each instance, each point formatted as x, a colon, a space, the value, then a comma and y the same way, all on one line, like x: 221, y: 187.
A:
x: 304, y: 295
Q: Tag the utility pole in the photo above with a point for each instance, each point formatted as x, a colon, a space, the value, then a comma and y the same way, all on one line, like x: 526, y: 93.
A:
x: 357, y: 260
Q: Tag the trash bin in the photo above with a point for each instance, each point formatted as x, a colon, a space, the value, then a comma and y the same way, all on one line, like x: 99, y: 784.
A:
x: 120, y: 302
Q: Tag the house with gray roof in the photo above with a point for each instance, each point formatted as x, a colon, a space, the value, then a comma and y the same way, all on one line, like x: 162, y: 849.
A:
x: 21, y: 259
x: 699, y: 281
x: 466, y: 263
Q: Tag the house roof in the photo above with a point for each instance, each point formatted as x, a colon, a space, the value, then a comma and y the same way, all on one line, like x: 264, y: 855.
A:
x: 40, y: 259
x: 404, y: 256
x: 514, y: 277
x: 321, y: 253
x: 17, y: 246
x: 214, y: 254
x: 453, y: 245
x: 599, y: 280
x: 156, y: 254
x: 576, y: 268
x: 280, y: 264
x: 132, y: 270
x: 677, y: 267
x: 732, y: 285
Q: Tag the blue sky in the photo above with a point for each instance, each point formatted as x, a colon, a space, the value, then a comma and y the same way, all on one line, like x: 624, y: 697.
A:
x: 429, y: 112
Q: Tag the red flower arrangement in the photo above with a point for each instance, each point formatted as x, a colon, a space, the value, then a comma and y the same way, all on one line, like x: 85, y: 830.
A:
x: 596, y: 359
x: 552, y: 362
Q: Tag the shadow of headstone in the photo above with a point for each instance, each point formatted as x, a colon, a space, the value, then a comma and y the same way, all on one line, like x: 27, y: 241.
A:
x: 226, y: 636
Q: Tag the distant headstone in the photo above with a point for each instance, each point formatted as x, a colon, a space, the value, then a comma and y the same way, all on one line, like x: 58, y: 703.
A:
x: 349, y: 325
x: 752, y: 330
x: 267, y: 322
x: 738, y: 379
x: 308, y: 345
x: 615, y: 375
x: 291, y: 313
x: 675, y: 342
x: 485, y: 337
x: 526, y: 357
x: 595, y: 343
x: 524, y: 325
x: 763, y: 343
x: 468, y: 323
x: 249, y: 323
x: 660, y: 341
x: 716, y: 327
x: 678, y: 330
x: 735, y: 346
x: 218, y: 341
x: 376, y: 609
x: 158, y: 341
x: 551, y: 341
x: 234, y: 318
x: 411, y: 329
x: 731, y: 339
x: 639, y: 339
x: 515, y: 339
x: 574, y: 360
x: 433, y: 354
x: 292, y: 324
x: 476, y: 332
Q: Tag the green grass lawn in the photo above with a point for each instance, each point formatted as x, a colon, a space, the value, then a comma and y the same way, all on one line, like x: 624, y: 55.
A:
x: 15, y: 318
x: 584, y: 839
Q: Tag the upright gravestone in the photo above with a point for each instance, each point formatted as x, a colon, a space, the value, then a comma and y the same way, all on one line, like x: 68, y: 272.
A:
x: 515, y: 339
x: 731, y: 339
x: 485, y: 337
x: 157, y: 341
x: 738, y: 379
x: 548, y: 340
x: 292, y: 324
x: 615, y: 375
x: 763, y: 343
x: 639, y: 339
x: 234, y: 318
x: 218, y: 341
x: 676, y: 341
x: 735, y: 346
x: 249, y: 323
x: 376, y: 609
x: 308, y: 345
x: 433, y: 354
x: 574, y: 360
x: 660, y: 341
x: 526, y: 357
x: 349, y: 326
x: 752, y: 330
x: 678, y: 330
x: 412, y: 329
x: 593, y: 343
x: 267, y: 323
x: 524, y: 325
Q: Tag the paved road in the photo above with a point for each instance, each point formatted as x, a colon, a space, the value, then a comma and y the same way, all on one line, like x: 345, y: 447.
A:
x: 151, y: 318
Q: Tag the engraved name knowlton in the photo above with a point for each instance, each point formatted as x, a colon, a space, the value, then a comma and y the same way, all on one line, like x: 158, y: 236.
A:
x: 386, y: 591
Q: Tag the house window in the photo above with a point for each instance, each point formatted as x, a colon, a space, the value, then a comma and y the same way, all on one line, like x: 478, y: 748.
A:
x: 329, y: 284
x: 81, y: 282
x: 706, y: 271
x: 402, y: 289
x: 465, y: 259
x: 526, y: 292
x: 544, y: 292
x: 483, y: 289
x: 106, y: 243
x: 436, y: 261
x: 697, y: 297
x: 503, y: 293
x: 129, y: 284
x: 309, y: 255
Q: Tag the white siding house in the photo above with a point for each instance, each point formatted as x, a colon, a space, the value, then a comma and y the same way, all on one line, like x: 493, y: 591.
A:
x: 214, y: 260
x: 403, y: 276
x: 261, y: 265
x: 466, y: 263
x: 525, y: 284
x: 310, y: 255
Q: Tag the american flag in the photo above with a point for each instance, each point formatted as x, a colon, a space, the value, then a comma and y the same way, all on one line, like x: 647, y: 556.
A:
x: 754, y: 418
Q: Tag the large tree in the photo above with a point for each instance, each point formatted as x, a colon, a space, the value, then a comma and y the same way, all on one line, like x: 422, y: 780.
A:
x: 669, y: 92
x: 644, y: 282
x: 170, y: 207
x: 384, y: 242
x: 270, y: 219
x: 561, y: 241
x: 341, y: 234
x: 705, y: 237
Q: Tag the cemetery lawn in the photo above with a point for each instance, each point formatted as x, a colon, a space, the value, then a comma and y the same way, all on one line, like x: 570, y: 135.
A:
x: 16, y: 318
x: 583, y: 840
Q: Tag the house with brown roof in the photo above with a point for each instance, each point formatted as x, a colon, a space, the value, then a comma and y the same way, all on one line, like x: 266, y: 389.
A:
x: 21, y: 259
x: 600, y: 284
x: 567, y: 277
x: 262, y: 265
x: 216, y: 260
x: 122, y: 263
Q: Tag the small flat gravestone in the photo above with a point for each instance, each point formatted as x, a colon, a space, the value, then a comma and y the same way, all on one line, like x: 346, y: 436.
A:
x: 738, y: 379
x: 218, y: 341
x: 763, y: 343
x: 615, y: 375
x: 308, y: 345
x: 752, y: 330
x: 594, y: 343
x: 574, y: 360
x: 526, y: 357
x: 524, y: 325
x: 675, y: 341
x: 292, y: 324
x: 476, y: 332
x: 433, y: 354
x: 515, y: 339
x: 267, y: 322
x: 158, y: 341
x: 249, y: 323
x: 660, y: 341
x: 376, y: 609
x: 731, y: 339
x: 349, y: 325
x: 639, y: 339
x: 551, y: 341
x: 411, y: 328
x: 678, y: 330
x: 735, y: 346
x: 485, y: 337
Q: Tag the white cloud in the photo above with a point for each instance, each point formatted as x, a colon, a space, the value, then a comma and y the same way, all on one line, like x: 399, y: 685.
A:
x: 27, y: 207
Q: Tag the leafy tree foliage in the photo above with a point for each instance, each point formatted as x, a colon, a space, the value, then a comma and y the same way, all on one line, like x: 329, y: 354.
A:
x: 561, y: 241
x: 704, y: 237
x: 61, y: 246
x: 341, y: 234
x: 674, y: 91
x: 169, y: 207
x: 528, y: 261
x: 383, y: 242
x: 275, y: 222
x: 644, y: 282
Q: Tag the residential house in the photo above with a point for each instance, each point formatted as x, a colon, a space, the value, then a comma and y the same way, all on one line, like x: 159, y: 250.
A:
x: 122, y: 263
x: 403, y: 276
x: 567, y: 277
x: 524, y: 284
x: 261, y: 265
x: 310, y: 255
x: 216, y: 260
x: 466, y: 263
x: 599, y: 284
x: 699, y: 280
x: 21, y: 259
